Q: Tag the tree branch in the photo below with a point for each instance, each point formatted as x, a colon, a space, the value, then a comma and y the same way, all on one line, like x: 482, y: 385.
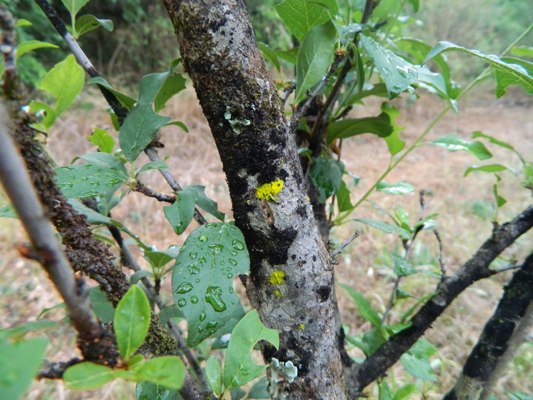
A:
x: 476, y: 268
x: 45, y: 248
x: 494, y: 340
x: 142, y: 188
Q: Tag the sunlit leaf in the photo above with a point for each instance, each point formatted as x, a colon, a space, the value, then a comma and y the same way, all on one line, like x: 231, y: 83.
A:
x: 88, y: 22
x: 30, y: 45
x: 489, y: 168
x: 167, y: 371
x: 395, y: 188
x: 103, y: 140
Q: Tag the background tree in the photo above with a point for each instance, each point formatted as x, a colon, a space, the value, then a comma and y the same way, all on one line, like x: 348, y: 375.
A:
x: 285, y: 175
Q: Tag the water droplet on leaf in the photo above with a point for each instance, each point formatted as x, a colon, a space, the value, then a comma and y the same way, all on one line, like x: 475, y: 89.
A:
x: 184, y: 287
x: 202, y: 238
x: 237, y: 244
x: 214, y: 297
x: 194, y: 299
x: 182, y: 302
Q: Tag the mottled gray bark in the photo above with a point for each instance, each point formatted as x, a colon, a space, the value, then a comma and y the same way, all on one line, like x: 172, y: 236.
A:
x: 291, y: 280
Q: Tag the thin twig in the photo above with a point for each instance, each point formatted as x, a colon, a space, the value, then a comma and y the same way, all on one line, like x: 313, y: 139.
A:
x: 142, y: 188
x: 441, y: 255
x: 154, y: 156
x: 341, y: 248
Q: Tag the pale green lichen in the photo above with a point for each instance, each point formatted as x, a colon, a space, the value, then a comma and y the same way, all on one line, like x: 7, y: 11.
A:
x: 270, y: 190
x: 283, y: 370
x: 236, y: 124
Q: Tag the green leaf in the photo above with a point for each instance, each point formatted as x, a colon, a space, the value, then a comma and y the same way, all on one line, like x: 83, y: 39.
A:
x: 138, y: 275
x: 142, y: 123
x: 64, y: 82
x: 522, y: 51
x: 384, y: 227
x: 380, y: 125
x: 364, y: 307
x: 19, y: 364
x: 87, y: 376
x: 326, y: 175
x: 158, y: 259
x: 102, y: 307
x: 213, y: 371
x: 394, y: 143
x: 18, y: 332
x: 8, y: 211
x: 405, y: 392
x: 493, y: 140
x: 180, y: 213
x: 30, y: 45
x: 259, y: 390
x: 528, y: 176
x: 300, y: 16
x: 402, y: 267
x: 400, y: 188
x: 152, y: 391
x: 455, y: 143
x: 510, y: 72
x: 504, y: 79
x: 74, y: 6
x: 174, y: 83
x: 124, y: 99
x: 418, y: 367
x: 88, y: 22
x: 167, y: 371
x: 150, y: 166
x: 132, y: 319
x: 397, y: 73
x: 500, y: 200
x: 205, y: 203
x: 239, y: 367
x: 102, y: 140
x: 170, y: 312
x: 314, y: 58
x: 489, y: 168
x: 343, y: 198
x: 202, y: 281
x: 103, y: 174
x: 22, y: 22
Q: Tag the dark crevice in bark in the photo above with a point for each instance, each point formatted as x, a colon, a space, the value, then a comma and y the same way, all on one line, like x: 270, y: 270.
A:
x: 494, y: 339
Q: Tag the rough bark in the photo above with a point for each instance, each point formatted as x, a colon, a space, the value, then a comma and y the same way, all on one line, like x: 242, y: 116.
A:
x: 473, y: 270
x: 244, y: 112
x: 494, y: 339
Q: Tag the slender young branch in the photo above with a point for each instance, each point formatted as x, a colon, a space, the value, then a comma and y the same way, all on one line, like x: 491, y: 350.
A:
x: 111, y: 99
x: 473, y: 270
x: 142, y: 188
x: 45, y: 247
x: 154, y: 156
x: 494, y: 340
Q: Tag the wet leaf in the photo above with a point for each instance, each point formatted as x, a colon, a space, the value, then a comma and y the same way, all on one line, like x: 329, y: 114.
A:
x: 202, y: 281
x: 455, y: 143
x: 326, y: 175
x: 167, y: 371
x: 300, y: 16
x: 399, y: 188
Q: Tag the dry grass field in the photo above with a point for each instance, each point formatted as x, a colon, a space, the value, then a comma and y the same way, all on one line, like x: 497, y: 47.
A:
x: 463, y: 205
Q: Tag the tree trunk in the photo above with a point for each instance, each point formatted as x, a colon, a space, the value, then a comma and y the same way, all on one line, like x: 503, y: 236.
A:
x: 291, y: 282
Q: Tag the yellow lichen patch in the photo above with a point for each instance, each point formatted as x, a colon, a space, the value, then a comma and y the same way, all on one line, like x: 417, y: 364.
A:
x: 277, y: 278
x: 301, y: 327
x: 269, y: 191
x: 278, y: 293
